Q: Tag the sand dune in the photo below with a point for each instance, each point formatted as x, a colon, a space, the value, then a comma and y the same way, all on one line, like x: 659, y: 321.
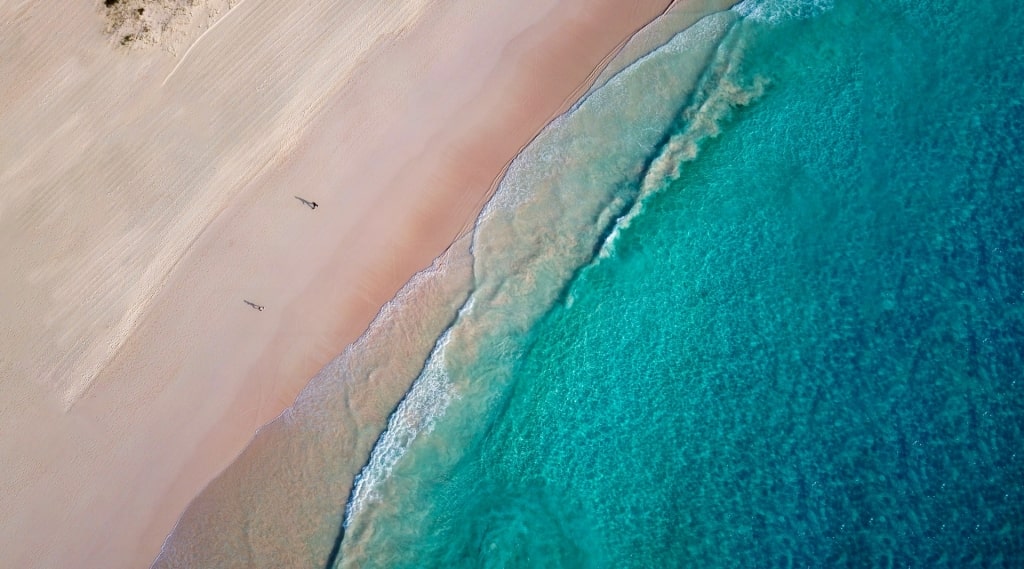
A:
x: 149, y: 189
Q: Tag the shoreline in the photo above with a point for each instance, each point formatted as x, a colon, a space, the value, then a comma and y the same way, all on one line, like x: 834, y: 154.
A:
x: 198, y: 372
x: 263, y: 492
x: 534, y: 237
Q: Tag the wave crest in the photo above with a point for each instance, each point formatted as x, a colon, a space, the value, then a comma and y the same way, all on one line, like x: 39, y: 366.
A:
x: 722, y: 90
x: 778, y: 11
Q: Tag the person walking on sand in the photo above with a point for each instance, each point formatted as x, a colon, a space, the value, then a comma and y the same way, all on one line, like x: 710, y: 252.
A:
x: 254, y: 305
x: 313, y: 205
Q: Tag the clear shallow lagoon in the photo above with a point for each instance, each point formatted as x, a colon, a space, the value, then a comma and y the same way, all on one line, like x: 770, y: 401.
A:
x: 758, y: 302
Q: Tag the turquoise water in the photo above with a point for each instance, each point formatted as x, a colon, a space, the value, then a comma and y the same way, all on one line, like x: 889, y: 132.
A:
x: 802, y: 346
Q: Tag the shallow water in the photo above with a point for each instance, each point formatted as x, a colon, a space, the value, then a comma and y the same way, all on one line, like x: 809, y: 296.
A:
x: 758, y: 302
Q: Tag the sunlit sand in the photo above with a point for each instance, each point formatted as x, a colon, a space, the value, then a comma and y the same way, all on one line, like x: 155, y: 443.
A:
x: 164, y: 293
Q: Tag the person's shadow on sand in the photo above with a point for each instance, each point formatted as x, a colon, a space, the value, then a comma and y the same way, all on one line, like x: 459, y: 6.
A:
x: 307, y: 203
x: 254, y: 305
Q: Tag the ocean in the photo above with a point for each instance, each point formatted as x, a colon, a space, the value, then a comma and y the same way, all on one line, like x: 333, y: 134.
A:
x: 758, y: 301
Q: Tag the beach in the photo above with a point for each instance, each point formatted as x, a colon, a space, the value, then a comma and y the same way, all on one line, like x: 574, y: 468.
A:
x: 552, y: 283
x: 151, y: 188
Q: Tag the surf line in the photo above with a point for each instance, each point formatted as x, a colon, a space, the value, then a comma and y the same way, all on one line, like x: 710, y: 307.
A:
x: 359, y: 493
x: 199, y: 39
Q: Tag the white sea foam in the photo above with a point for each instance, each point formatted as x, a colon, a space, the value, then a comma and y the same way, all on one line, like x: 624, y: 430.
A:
x: 416, y: 415
x: 777, y: 11
x: 722, y: 90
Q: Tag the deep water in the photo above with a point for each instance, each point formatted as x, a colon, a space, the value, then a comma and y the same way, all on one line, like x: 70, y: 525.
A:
x: 804, y: 349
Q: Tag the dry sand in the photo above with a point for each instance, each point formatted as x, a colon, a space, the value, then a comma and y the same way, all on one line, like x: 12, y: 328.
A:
x: 148, y: 189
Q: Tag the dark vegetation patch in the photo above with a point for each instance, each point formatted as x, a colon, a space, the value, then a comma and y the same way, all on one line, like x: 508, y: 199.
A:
x: 137, y: 23
x: 165, y: 23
